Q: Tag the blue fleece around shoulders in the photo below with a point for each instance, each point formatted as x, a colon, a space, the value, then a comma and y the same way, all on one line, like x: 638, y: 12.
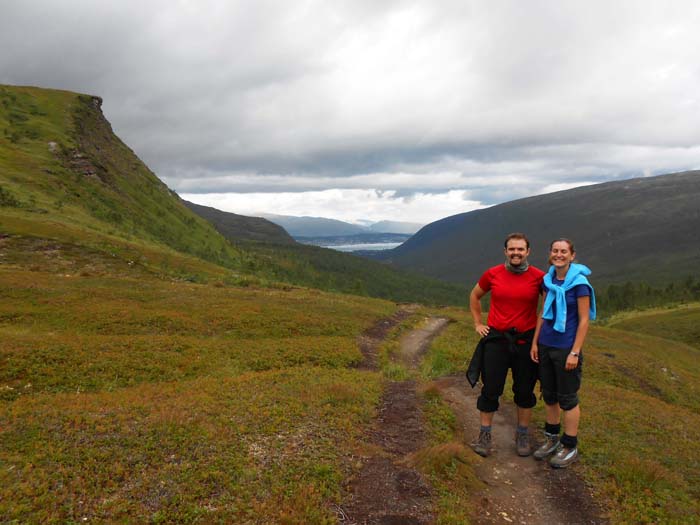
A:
x: 557, y: 294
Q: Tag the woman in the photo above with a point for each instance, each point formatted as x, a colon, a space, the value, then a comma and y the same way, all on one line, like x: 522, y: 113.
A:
x: 557, y: 346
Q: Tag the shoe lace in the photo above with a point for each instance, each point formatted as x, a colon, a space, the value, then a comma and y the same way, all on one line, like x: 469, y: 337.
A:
x: 523, y: 439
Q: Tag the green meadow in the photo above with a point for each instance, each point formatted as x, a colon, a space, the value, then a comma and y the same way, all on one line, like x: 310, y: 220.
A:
x: 165, y: 401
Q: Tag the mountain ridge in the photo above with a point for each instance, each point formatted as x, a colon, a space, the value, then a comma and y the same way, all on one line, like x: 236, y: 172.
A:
x: 307, y: 226
x: 642, y: 228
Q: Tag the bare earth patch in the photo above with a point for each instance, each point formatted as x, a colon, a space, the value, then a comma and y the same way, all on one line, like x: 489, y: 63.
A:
x: 517, y: 490
x: 386, y: 491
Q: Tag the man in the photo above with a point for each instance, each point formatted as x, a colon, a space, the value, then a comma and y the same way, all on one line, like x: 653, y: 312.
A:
x: 515, y: 290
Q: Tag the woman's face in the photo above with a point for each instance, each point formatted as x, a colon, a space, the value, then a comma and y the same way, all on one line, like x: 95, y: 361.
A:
x: 560, y: 255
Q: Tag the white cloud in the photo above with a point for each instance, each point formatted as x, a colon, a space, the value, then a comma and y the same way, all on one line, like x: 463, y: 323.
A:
x: 345, y: 205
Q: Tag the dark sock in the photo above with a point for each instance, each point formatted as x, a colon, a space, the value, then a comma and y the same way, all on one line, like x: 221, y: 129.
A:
x: 552, y: 428
x: 569, y: 441
x: 521, y: 430
x: 485, y: 429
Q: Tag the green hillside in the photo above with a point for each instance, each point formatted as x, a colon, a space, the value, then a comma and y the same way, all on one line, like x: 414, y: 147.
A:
x: 239, y: 227
x: 641, y: 229
x: 677, y: 324
x: 66, y: 178
x: 60, y: 162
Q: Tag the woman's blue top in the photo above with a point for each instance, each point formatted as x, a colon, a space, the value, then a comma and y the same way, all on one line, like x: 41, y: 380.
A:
x: 548, y: 335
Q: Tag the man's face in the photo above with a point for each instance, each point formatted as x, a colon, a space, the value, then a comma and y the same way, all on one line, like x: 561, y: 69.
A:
x: 517, y: 251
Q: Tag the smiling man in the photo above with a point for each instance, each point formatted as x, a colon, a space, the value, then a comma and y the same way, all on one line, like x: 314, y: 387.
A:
x: 505, y: 340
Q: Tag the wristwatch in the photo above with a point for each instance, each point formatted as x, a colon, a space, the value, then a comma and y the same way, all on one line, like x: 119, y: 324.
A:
x: 575, y: 354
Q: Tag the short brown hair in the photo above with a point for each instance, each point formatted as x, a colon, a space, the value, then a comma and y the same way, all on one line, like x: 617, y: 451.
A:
x: 516, y: 235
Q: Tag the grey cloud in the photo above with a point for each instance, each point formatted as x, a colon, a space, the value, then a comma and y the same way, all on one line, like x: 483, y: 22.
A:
x: 278, y: 96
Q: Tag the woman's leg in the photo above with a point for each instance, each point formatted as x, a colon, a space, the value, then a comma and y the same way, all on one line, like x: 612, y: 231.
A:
x: 569, y: 383
x: 571, y: 420
x: 548, y: 381
x: 552, y: 413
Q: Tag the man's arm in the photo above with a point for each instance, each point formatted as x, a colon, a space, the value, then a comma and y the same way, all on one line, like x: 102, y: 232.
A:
x: 475, y: 308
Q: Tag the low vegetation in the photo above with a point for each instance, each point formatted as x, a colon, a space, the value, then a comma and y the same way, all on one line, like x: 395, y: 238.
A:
x: 166, y: 401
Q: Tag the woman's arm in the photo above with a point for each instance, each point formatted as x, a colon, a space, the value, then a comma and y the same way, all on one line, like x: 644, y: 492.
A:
x: 584, y: 304
x: 475, y: 308
x: 534, y: 348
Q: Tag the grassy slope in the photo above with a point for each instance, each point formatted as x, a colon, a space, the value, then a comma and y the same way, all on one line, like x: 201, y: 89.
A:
x: 134, y: 397
x: 640, y: 417
x: 680, y: 324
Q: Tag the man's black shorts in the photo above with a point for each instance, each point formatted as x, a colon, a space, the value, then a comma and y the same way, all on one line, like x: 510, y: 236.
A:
x: 499, y: 356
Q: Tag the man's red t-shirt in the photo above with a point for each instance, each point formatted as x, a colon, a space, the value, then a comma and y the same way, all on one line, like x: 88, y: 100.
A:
x: 513, y: 297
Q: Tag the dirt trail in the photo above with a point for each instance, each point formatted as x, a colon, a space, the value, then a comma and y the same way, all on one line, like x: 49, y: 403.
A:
x: 518, y: 490
x: 386, y: 491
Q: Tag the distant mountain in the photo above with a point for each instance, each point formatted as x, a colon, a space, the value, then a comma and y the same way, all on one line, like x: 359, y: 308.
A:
x: 314, y: 226
x: 644, y: 228
x: 300, y: 227
x: 395, y: 227
x: 236, y: 227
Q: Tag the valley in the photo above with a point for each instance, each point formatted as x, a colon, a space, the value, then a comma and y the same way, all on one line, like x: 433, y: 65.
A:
x: 159, y: 368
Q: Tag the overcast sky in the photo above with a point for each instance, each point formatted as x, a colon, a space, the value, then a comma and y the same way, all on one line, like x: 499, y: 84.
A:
x: 390, y: 109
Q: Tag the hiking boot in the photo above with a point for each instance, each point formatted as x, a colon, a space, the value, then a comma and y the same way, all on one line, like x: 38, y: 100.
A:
x: 482, y: 444
x: 522, y: 444
x: 548, y: 447
x: 564, y: 457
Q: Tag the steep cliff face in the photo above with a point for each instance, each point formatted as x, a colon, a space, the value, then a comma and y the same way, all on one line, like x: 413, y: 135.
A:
x: 62, y: 160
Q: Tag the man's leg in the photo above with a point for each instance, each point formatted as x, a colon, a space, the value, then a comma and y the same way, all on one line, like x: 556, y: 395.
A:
x: 524, y: 380
x: 487, y: 418
x: 494, y: 372
x: 524, y: 416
